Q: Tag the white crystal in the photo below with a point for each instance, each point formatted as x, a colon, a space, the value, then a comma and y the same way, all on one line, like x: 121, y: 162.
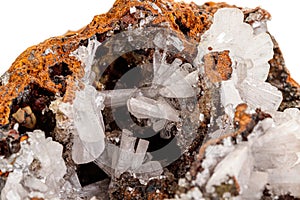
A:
x: 176, y: 42
x: 279, y: 145
x: 229, y: 32
x: 158, y: 124
x: 194, y: 193
x: 179, y: 85
x: 88, y: 119
x: 64, y: 114
x: 115, y: 98
x: 132, y: 10
x: 13, y: 189
x: 149, y: 170
x: 95, y: 191
x: 143, y: 108
x: 162, y: 70
x: 48, y: 51
x: 213, y: 155
x: 234, y: 165
x: 155, y: 7
x: 126, y: 154
x: 259, y: 27
x: 249, y: 54
x: 271, y: 156
x: 285, y: 180
x: 84, y: 120
x: 255, y: 186
x: 287, y: 115
x: 84, y: 152
x: 35, y: 184
x: 99, y: 101
x: 140, y: 154
x: 176, y: 81
x: 160, y: 40
x: 229, y: 94
x: 182, y: 182
x: 201, y: 117
x: 116, y: 160
x: 86, y: 56
x: 89, y: 125
x: 165, y: 39
x: 4, y: 78
x: 260, y: 94
x: 260, y: 129
x: 202, y: 177
x: 49, y: 153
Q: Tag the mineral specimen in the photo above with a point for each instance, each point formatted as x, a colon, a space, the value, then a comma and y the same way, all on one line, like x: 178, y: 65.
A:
x: 153, y: 100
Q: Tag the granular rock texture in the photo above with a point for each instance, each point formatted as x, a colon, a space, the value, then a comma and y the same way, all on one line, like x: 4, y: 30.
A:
x: 153, y: 100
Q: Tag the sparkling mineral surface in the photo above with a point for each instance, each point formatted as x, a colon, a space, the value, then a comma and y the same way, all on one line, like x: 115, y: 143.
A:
x: 153, y: 100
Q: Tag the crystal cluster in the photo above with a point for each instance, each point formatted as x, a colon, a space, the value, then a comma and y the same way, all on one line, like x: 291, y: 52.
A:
x: 174, y: 80
x: 263, y: 160
x: 249, y: 53
x: 169, y: 81
x: 117, y: 160
x: 83, y: 119
x: 38, y: 170
x: 269, y: 157
x: 86, y: 56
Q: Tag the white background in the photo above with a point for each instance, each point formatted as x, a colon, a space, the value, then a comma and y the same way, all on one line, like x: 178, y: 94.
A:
x: 26, y: 23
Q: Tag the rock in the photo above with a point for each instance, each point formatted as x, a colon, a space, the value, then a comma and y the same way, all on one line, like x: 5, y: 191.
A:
x: 127, y: 101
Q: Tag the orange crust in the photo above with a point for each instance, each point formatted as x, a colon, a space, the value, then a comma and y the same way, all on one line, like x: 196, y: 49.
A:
x: 217, y: 66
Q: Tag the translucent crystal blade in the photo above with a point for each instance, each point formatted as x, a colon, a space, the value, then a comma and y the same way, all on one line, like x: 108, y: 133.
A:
x: 116, y: 160
x: 158, y: 125
x: 85, y: 152
x: 261, y: 49
x: 256, y: 185
x: 152, y: 168
x: 86, y: 56
x: 180, y: 85
x: 115, y: 98
x: 232, y: 166
x: 88, y: 120
x: 260, y: 94
x: 143, y: 108
x: 285, y: 155
x: 283, y: 181
x: 140, y: 153
x: 259, y: 72
x: 126, y: 154
x: 229, y: 94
